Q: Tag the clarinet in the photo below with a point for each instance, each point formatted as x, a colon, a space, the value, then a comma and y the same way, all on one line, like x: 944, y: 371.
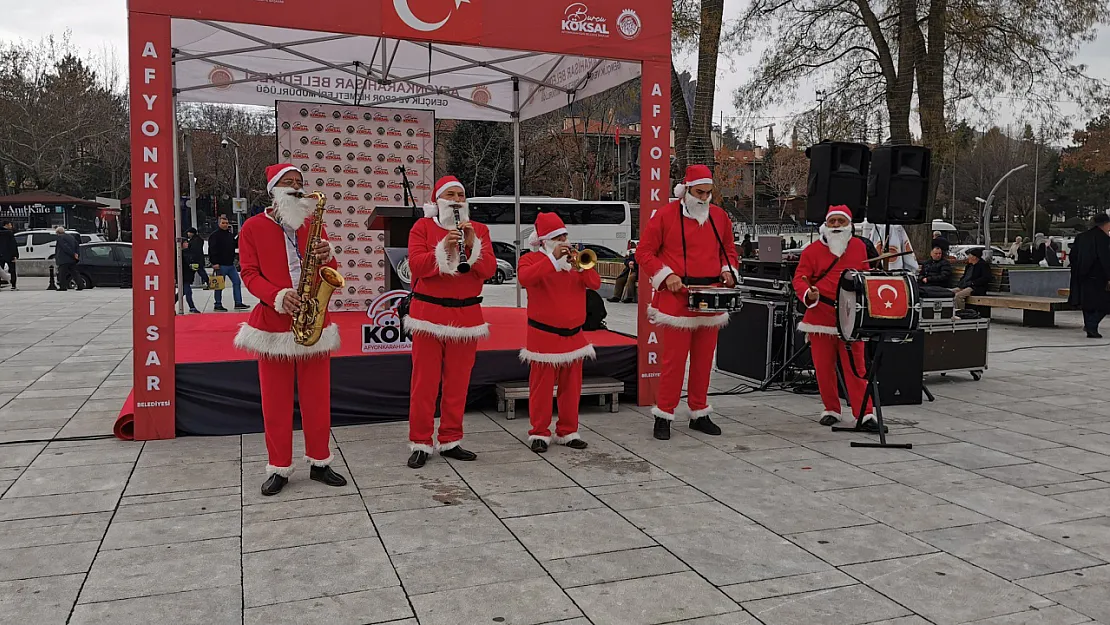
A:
x: 464, y: 267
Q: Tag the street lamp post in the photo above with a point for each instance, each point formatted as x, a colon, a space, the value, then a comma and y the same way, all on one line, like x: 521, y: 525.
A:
x: 755, y: 130
x: 238, y: 189
x: 985, y: 222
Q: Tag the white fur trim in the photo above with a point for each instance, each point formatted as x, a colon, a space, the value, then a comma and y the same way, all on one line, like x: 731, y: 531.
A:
x: 428, y: 449
x: 679, y: 190
x: 281, y: 344
x: 868, y: 417
x: 546, y: 439
x: 320, y: 463
x: 809, y: 328
x: 450, y: 185
x: 841, y: 213
x: 279, y: 301
x: 448, y: 332
x: 563, y: 440
x: 694, y: 183
x: 704, y: 412
x: 687, y: 323
x: 534, y: 242
x: 282, y: 471
x: 447, y: 266
x: 661, y: 414
x: 431, y: 210
x: 475, y: 252
x: 558, y: 359
x: 660, y: 276
x: 554, y: 261
x: 277, y: 178
x: 829, y: 413
x: 442, y: 447
x: 558, y: 232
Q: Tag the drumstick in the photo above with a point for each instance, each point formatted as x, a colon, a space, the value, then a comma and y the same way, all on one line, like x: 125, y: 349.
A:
x: 886, y: 256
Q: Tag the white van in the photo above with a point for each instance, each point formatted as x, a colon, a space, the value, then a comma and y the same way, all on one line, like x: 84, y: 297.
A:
x: 39, y: 244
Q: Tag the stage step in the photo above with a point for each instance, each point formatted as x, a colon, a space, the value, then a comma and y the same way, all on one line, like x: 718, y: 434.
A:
x: 509, y: 392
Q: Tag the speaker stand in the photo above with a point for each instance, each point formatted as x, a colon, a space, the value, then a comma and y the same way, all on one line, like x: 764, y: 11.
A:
x: 928, y: 394
x: 797, y: 353
x: 872, y: 393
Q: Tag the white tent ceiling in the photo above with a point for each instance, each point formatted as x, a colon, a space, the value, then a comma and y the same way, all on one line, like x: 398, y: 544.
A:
x: 249, y: 64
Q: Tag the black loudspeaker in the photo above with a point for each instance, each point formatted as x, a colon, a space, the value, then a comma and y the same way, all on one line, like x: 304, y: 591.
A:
x: 755, y: 343
x: 901, y: 371
x: 837, y: 175
x: 898, y: 186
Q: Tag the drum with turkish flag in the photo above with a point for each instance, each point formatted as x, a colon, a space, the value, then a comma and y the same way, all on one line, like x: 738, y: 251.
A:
x: 876, y: 304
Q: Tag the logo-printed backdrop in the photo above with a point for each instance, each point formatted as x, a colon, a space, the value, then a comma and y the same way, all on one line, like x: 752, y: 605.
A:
x: 352, y: 155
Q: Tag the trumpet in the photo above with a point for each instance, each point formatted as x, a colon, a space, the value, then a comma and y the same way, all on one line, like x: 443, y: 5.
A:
x: 583, y: 260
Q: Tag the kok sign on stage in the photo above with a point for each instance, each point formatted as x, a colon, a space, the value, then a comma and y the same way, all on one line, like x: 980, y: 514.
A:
x: 888, y: 296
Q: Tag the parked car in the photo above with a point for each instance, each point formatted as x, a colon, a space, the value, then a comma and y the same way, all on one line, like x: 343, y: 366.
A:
x: 105, y: 264
x: 603, y: 253
x: 504, y: 273
x: 998, y: 256
x: 506, y: 252
x: 40, y: 244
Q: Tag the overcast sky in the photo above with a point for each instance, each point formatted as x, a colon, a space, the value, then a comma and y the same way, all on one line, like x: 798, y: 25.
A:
x: 101, y: 25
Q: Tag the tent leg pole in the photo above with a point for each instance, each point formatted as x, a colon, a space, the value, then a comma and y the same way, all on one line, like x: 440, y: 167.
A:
x: 177, y: 210
x: 516, y: 178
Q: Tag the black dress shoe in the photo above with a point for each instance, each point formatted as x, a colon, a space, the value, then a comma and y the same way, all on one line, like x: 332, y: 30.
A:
x: 703, y: 424
x: 242, y: 307
x: 829, y: 420
x: 417, y: 459
x: 327, y: 475
x: 219, y: 308
x: 458, y: 453
x: 274, y: 484
x: 662, y: 429
x: 871, y: 427
x: 539, y: 446
x: 577, y: 444
x: 614, y: 300
x: 1093, y: 334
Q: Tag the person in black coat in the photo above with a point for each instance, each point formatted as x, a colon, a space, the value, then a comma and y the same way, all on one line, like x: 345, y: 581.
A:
x: 937, y: 271
x: 66, y: 256
x: 1090, y: 274
x: 9, y: 252
x: 194, y: 255
x: 624, y: 289
x: 976, y: 278
x: 221, y: 252
x: 941, y: 242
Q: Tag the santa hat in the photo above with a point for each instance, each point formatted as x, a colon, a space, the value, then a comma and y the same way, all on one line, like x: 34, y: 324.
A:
x: 841, y: 210
x: 274, y: 174
x: 548, y: 226
x: 441, y: 186
x: 695, y: 175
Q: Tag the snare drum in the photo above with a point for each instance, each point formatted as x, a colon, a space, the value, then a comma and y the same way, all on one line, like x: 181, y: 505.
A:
x: 713, y: 299
x: 876, y: 303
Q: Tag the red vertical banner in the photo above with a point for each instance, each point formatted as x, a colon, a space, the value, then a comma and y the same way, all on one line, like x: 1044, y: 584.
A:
x: 655, y: 179
x: 152, y: 219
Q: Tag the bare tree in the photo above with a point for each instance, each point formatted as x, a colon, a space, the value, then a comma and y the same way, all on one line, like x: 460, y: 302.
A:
x: 786, y: 175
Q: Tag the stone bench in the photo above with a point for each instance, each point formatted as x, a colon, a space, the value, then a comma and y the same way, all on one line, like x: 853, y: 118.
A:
x: 1037, y: 312
x: 509, y: 392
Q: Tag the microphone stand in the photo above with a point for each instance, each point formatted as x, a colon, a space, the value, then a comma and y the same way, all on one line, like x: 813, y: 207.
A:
x: 409, y: 198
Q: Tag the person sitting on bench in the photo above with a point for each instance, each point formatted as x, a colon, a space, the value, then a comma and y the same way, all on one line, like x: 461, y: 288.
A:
x: 937, y: 271
x: 976, y: 278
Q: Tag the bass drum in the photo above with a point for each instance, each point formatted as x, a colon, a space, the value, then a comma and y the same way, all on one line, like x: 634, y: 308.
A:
x: 874, y: 303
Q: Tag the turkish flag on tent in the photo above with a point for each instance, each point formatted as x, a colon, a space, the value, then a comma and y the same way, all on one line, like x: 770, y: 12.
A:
x: 888, y: 298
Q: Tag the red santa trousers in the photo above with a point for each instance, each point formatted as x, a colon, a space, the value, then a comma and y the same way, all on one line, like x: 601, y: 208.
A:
x: 678, y: 344
x: 541, y: 385
x: 313, y: 379
x: 437, y: 361
x: 826, y: 348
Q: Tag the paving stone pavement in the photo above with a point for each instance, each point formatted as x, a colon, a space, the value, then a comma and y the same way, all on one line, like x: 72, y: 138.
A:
x: 999, y: 515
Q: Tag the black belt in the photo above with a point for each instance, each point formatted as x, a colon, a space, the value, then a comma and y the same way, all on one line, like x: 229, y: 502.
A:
x: 826, y: 300
x: 688, y: 281
x: 448, y: 302
x: 553, y: 330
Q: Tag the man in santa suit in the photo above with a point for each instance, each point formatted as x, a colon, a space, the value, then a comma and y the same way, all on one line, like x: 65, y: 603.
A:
x: 556, y: 345
x: 815, y: 281
x: 687, y: 243
x: 445, y: 318
x: 271, y: 247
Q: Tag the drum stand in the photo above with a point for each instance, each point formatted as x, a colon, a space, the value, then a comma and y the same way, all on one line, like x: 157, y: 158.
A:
x: 872, y: 393
x: 782, y: 370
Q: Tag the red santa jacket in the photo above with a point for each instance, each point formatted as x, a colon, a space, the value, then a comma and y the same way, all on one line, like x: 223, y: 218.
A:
x: 660, y: 254
x: 556, y: 301
x: 436, y: 277
x: 264, y: 267
x: 820, y: 318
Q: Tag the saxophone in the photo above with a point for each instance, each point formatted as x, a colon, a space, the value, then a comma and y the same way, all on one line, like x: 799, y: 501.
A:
x: 316, y: 284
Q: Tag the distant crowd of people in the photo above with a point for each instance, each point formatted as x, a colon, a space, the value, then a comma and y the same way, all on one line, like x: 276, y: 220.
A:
x: 221, y: 253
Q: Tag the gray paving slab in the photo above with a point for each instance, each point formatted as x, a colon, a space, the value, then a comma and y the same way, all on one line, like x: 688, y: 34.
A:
x: 533, y: 502
x: 126, y: 573
x: 173, y: 529
x: 176, y: 508
x: 789, y: 585
x: 20, y: 455
x: 365, y: 607
x: 613, y: 566
x: 65, y: 480
x: 850, y: 605
x: 170, y: 478
x: 1007, y: 551
x: 42, y: 600
x: 1057, y: 582
x: 463, y: 567
x: 194, y: 607
x: 673, y: 519
x: 545, y: 535
x: 1016, y: 506
x: 47, y: 560
x: 433, y: 529
x: 1052, y: 615
x: 864, y: 543
x: 1087, y: 600
x: 925, y: 518
x: 524, y: 602
x: 80, y: 528
x: 745, y: 554
x: 652, y: 600
x: 307, y: 530
x: 282, y: 575
x: 1030, y: 475
x: 430, y: 494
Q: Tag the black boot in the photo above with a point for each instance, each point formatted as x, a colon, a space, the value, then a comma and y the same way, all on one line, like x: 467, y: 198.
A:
x: 577, y: 444
x: 458, y: 453
x: 829, y: 420
x: 539, y: 446
x: 1093, y: 334
x: 417, y: 459
x: 326, y: 475
x: 274, y: 484
x: 871, y: 427
x: 703, y: 424
x: 662, y: 429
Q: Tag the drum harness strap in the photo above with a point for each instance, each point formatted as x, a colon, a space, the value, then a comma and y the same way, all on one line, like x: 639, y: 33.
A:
x: 695, y: 281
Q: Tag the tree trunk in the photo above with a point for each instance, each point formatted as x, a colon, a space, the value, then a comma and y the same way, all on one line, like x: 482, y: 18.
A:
x: 700, y: 151
x: 681, y: 117
x: 934, y: 132
x: 899, y: 92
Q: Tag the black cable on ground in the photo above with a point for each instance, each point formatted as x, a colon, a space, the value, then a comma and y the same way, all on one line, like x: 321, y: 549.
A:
x: 97, y: 437
x: 1018, y: 349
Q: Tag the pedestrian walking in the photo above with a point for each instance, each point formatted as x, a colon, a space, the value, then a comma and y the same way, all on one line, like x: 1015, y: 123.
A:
x: 65, y: 257
x: 221, y: 253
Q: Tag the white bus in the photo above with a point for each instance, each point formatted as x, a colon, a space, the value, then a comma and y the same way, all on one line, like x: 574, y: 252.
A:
x: 604, y: 224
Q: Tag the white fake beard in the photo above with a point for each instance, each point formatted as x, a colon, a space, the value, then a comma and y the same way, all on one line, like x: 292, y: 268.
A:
x: 696, y: 209
x: 289, y: 209
x: 447, y: 212
x: 549, y: 247
x: 836, y: 238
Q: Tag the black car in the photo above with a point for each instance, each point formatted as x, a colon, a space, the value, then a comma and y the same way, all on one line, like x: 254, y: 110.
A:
x: 505, y: 252
x: 105, y: 264
x: 603, y: 253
